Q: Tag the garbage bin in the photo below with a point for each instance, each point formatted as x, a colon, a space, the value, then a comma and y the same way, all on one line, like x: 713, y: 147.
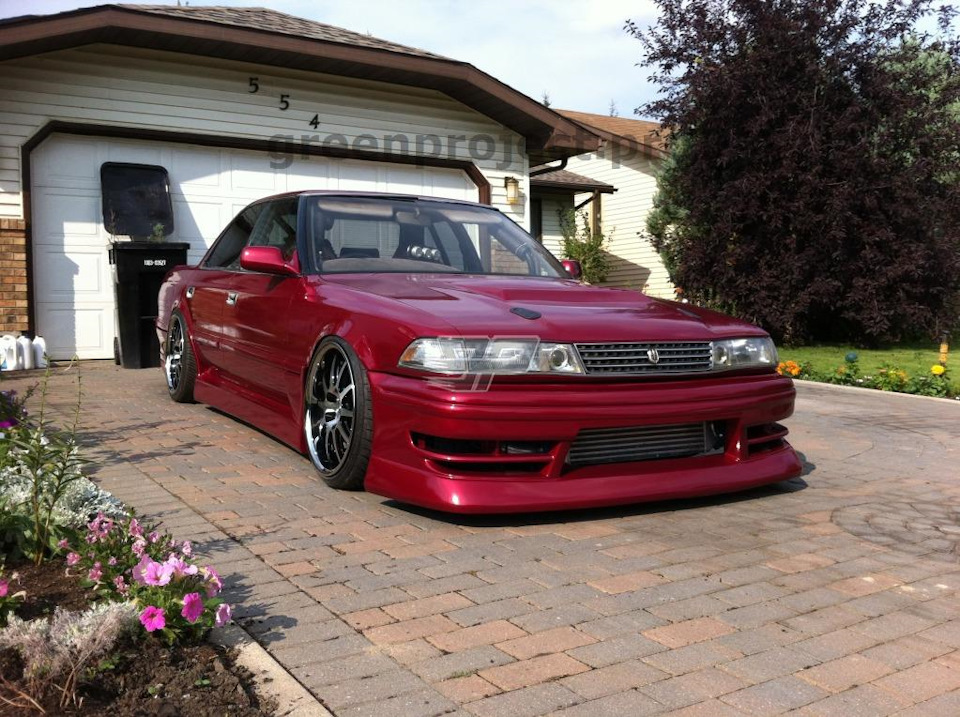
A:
x: 138, y: 270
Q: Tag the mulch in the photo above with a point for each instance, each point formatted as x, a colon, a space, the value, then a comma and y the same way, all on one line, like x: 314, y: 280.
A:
x: 142, y: 677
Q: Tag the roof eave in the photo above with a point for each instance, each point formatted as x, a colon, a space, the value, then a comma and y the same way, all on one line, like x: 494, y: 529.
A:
x: 548, y: 135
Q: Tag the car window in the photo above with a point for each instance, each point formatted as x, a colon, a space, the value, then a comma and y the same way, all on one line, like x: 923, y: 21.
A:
x: 370, y: 234
x: 277, y: 226
x: 226, y: 251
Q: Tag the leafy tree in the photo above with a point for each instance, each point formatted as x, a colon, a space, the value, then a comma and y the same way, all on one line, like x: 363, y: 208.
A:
x: 814, y: 179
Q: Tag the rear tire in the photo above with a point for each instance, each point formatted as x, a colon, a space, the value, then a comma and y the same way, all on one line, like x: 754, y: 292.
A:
x: 179, y: 365
x: 338, y: 415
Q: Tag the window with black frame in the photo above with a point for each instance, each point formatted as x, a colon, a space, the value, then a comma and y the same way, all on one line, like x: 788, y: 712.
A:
x: 136, y: 200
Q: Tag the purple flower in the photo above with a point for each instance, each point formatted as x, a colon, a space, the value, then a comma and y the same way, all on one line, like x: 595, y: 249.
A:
x: 187, y: 549
x: 192, y: 607
x: 135, y: 530
x: 95, y: 573
x: 154, y: 537
x: 4, y: 588
x: 152, y: 618
x: 73, y: 559
x: 63, y: 544
x: 120, y: 585
x: 112, y: 561
x: 223, y: 614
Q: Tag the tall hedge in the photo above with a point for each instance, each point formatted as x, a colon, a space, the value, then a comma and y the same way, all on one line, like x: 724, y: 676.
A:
x: 814, y: 181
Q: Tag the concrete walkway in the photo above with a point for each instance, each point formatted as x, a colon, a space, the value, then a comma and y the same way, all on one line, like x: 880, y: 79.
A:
x: 835, y: 594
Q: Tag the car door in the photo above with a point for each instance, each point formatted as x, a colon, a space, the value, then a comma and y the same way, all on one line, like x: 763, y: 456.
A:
x: 207, y: 297
x: 256, y: 313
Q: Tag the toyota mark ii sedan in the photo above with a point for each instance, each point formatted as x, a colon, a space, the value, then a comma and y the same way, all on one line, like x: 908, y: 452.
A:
x: 432, y: 352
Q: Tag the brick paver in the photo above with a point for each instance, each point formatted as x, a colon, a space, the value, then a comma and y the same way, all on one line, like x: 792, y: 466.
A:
x: 834, y: 594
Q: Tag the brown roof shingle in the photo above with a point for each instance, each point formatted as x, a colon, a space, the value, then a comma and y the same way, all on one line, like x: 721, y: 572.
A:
x: 564, y: 179
x: 262, y: 18
x: 645, y: 132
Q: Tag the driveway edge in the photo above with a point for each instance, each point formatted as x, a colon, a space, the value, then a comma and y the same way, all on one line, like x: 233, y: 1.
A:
x: 862, y: 389
x: 271, y: 680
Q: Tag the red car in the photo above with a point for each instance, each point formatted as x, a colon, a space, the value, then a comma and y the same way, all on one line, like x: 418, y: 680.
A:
x: 432, y: 352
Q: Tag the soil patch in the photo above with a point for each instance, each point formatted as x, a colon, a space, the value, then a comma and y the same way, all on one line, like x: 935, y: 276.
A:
x: 142, y: 677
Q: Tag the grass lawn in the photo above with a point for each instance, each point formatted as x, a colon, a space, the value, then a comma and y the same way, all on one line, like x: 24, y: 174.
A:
x: 915, y: 359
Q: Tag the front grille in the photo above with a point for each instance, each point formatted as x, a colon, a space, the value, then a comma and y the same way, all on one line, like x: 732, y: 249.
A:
x: 636, y: 358
x: 595, y: 446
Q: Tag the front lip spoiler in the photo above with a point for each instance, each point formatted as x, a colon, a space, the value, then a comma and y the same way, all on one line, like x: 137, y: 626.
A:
x: 515, y: 495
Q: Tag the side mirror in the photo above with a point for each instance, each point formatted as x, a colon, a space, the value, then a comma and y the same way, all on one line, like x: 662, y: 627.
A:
x: 266, y: 260
x: 573, y: 268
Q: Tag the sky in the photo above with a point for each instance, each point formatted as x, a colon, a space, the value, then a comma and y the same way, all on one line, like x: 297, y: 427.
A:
x: 574, y: 50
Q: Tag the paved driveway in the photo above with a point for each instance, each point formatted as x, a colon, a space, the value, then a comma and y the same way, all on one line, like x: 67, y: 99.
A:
x: 835, y: 594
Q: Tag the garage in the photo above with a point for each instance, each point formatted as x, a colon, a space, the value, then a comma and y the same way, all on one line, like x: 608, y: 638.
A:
x: 73, y: 288
x: 229, y: 105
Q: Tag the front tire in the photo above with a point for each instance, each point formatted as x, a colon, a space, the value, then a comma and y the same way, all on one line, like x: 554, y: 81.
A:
x: 338, y: 415
x: 179, y: 366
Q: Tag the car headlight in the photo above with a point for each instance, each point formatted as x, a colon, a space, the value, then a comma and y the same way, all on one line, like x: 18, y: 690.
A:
x: 744, y: 353
x: 457, y: 356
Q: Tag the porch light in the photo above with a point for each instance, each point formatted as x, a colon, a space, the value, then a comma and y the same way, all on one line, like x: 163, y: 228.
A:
x: 512, y: 185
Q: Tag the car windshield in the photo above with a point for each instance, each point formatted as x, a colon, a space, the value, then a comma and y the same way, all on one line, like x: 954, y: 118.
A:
x: 369, y: 234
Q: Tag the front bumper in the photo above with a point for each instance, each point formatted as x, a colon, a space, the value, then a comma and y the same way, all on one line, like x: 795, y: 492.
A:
x: 407, y: 469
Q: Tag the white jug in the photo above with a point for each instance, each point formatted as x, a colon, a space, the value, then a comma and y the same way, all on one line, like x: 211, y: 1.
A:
x: 25, y: 349
x: 39, y: 352
x: 8, y: 353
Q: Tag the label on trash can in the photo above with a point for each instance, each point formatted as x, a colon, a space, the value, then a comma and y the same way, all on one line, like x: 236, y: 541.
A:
x: 154, y: 262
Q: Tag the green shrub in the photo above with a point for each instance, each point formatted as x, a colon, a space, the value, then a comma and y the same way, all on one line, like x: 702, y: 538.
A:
x: 582, y: 244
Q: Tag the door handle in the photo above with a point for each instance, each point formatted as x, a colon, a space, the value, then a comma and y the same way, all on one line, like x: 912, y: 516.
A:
x: 232, y: 298
x: 190, y: 290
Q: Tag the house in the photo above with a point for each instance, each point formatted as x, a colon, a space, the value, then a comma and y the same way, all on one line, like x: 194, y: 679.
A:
x: 615, y: 185
x: 218, y: 107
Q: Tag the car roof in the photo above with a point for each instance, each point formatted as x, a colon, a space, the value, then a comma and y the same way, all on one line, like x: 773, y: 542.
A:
x: 372, y: 195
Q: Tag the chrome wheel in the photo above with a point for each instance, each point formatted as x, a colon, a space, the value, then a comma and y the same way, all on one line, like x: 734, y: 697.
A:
x: 173, y: 365
x: 331, y: 404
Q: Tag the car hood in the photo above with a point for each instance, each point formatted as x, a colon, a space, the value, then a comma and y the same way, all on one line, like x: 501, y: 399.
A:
x: 568, y: 311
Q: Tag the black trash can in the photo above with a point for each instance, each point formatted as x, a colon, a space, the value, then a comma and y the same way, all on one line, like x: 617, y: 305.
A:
x: 138, y: 270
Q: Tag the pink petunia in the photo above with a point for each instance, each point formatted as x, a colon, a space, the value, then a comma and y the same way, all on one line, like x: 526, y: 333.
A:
x: 214, y: 583
x: 73, y: 559
x: 187, y: 549
x: 95, y: 573
x: 153, y: 618
x: 4, y: 588
x: 139, y: 547
x: 120, y: 584
x: 112, y: 561
x: 149, y: 572
x: 63, y: 544
x: 154, y: 536
x: 179, y: 567
x: 135, y: 530
x: 192, y: 607
x: 223, y: 614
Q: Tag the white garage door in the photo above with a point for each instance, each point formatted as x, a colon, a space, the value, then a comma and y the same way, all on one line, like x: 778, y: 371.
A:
x: 73, y: 287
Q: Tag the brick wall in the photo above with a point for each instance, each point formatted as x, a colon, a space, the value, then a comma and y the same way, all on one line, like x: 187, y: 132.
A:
x: 13, y: 276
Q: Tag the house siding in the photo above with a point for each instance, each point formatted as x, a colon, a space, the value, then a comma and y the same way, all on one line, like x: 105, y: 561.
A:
x: 634, y: 264
x: 550, y: 222
x: 126, y: 87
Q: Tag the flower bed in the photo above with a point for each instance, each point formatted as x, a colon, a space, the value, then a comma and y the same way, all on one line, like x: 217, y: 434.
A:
x: 99, y: 612
x: 936, y: 382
